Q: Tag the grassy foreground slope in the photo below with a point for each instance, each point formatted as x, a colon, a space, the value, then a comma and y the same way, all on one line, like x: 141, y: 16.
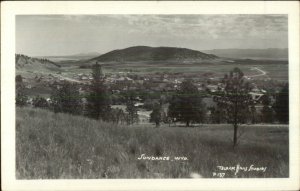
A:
x: 50, y: 145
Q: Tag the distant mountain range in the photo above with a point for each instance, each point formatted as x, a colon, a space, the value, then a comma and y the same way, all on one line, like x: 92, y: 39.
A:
x: 89, y: 54
x: 73, y: 57
x: 268, y: 54
x: 146, y: 53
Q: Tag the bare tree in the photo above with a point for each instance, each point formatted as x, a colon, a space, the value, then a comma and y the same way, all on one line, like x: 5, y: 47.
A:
x: 235, y: 99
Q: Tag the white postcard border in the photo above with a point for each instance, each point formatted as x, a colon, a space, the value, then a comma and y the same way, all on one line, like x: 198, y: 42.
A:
x: 10, y: 9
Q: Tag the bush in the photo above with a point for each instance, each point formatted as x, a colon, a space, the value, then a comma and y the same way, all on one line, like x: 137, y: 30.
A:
x: 40, y: 102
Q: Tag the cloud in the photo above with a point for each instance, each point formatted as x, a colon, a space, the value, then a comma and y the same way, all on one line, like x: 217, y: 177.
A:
x: 106, y: 32
x: 209, y: 26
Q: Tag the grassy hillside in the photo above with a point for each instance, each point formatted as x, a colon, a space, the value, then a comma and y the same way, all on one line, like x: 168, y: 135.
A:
x: 50, y: 145
x: 26, y: 61
x: 26, y: 65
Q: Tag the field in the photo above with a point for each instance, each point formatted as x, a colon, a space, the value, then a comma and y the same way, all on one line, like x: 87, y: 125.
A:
x: 50, y: 145
x: 276, y: 70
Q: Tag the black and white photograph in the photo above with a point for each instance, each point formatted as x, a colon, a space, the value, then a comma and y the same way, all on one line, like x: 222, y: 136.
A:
x: 152, y: 96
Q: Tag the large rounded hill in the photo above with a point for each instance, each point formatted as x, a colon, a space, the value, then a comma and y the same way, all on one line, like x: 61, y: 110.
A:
x: 145, y: 53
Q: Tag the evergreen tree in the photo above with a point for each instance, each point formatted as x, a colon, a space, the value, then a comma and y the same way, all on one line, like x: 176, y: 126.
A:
x: 173, y: 110
x: 267, y: 111
x: 98, y: 100
x: 254, y: 116
x: 217, y: 114
x: 186, y: 105
x: 156, y: 115
x: 235, y: 99
x: 66, y: 99
x: 132, y: 116
x: 281, y: 105
x: 21, y: 97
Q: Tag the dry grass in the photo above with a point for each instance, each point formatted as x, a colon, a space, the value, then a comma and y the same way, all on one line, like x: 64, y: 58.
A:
x: 51, y: 146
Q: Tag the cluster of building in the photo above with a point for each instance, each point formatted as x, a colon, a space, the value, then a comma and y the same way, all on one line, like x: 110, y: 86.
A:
x: 155, y: 82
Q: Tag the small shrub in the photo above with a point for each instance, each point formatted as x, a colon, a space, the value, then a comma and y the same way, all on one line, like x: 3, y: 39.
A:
x: 40, y: 102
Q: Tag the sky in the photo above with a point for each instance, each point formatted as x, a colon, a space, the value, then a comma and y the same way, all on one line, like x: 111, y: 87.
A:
x: 55, y: 35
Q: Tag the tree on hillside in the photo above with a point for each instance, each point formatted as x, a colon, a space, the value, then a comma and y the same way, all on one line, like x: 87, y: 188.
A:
x: 40, y: 102
x: 117, y: 115
x: 66, y: 99
x: 217, y: 114
x: 19, y: 79
x: 131, y: 109
x: 98, y: 99
x: 173, y: 109
x: 254, y: 116
x: 186, y: 105
x: 281, y: 105
x: 267, y: 111
x: 21, y: 97
x: 235, y: 99
x: 156, y: 115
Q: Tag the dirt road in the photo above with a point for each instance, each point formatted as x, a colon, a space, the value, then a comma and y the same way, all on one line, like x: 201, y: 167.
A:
x: 261, y: 73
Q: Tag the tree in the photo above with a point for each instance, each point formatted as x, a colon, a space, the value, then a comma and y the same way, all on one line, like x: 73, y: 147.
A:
x: 19, y: 79
x: 281, y: 105
x: 40, y: 102
x: 149, y: 104
x: 173, y: 109
x: 217, y: 114
x: 98, y: 99
x: 267, y: 111
x: 121, y: 116
x: 235, y: 98
x: 132, y: 116
x: 186, y: 105
x: 156, y: 115
x: 254, y: 117
x: 21, y: 97
x: 66, y: 99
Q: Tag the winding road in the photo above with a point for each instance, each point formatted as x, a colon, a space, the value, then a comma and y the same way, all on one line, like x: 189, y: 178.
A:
x: 262, y: 73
